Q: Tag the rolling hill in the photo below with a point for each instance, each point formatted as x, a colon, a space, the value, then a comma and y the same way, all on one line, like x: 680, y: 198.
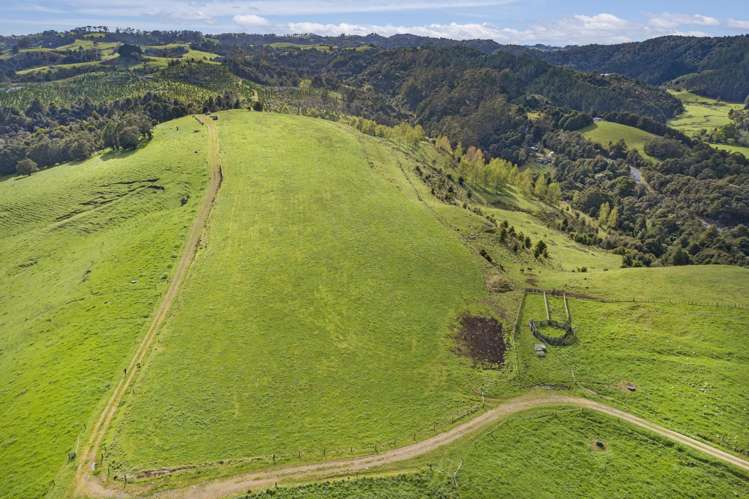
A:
x: 608, y: 133
x: 304, y: 266
x: 87, y: 250
x: 715, y: 67
x: 321, y: 320
x: 319, y: 310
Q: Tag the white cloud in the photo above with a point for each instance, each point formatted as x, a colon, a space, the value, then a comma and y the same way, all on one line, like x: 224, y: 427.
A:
x: 668, y: 20
x: 738, y: 23
x: 601, y: 28
x: 603, y: 22
x: 574, y: 30
x: 250, y: 20
x: 452, y: 30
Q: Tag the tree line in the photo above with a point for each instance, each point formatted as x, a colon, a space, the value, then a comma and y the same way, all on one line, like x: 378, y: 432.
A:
x: 43, y: 136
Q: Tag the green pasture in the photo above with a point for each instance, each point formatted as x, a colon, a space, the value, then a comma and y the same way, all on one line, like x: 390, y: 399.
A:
x: 191, y: 55
x: 688, y: 363
x: 301, y: 46
x: 701, y: 113
x: 99, y: 87
x: 732, y: 149
x: 317, y: 320
x: 607, y: 133
x: 723, y: 285
x: 545, y: 453
x: 86, y: 250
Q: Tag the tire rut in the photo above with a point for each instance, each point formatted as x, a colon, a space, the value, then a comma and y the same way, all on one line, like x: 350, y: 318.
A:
x: 85, y: 483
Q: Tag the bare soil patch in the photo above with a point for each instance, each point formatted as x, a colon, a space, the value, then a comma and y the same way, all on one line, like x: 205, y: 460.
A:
x: 481, y: 338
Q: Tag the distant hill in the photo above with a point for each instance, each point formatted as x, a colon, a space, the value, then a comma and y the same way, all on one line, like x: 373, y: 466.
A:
x: 353, y: 41
x: 715, y: 67
x: 470, y: 96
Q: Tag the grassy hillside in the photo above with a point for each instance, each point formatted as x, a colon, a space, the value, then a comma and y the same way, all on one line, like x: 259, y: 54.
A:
x: 607, y: 132
x: 547, y: 453
x: 318, y: 318
x: 700, y: 284
x: 99, y: 87
x: 687, y: 362
x: 86, y: 253
x: 734, y: 149
x: 701, y: 113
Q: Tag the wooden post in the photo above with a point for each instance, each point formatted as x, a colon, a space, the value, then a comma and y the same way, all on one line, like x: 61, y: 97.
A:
x: 567, y: 309
x: 546, y: 304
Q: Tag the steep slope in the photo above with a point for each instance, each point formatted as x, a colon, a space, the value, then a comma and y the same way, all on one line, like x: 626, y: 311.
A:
x: 317, y: 320
x: 87, y: 249
x: 714, y: 67
x: 607, y: 132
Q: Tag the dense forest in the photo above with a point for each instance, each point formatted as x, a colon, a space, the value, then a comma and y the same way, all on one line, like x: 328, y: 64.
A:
x: 694, y: 207
x: 713, y: 67
x: 42, y: 136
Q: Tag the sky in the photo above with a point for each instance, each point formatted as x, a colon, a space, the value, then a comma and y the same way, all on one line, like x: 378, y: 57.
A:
x: 506, y: 21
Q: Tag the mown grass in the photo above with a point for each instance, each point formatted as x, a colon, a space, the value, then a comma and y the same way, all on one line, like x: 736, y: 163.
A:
x: 86, y: 253
x: 688, y: 363
x: 701, y: 113
x: 318, y: 317
x: 547, y: 453
x: 607, y: 133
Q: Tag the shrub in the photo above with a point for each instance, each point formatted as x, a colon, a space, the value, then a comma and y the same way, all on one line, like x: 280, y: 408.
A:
x: 26, y: 166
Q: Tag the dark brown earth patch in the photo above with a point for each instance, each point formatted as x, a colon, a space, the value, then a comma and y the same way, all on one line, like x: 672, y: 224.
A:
x: 481, y: 339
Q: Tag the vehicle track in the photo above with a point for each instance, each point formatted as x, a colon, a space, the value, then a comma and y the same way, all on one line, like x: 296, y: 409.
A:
x: 85, y: 483
x: 263, y: 479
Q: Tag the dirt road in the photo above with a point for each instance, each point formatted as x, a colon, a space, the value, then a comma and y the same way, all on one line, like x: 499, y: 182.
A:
x: 262, y: 479
x: 85, y: 483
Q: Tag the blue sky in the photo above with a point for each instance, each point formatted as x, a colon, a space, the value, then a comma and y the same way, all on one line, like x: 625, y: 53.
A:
x: 506, y: 21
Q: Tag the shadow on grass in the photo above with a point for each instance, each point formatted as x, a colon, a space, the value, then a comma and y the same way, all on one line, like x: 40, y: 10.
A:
x: 501, y: 197
x: 118, y: 154
x: 6, y: 178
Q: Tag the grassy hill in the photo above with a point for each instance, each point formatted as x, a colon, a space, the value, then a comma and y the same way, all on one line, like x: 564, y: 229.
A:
x: 687, y: 362
x: 544, y: 453
x: 607, y: 132
x: 733, y: 149
x: 318, y: 319
x: 701, y: 113
x: 318, y: 322
x: 86, y: 253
